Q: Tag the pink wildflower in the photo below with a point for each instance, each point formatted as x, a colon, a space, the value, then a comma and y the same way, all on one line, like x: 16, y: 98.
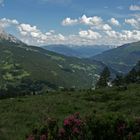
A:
x: 75, y: 131
x: 31, y: 137
x: 78, y: 122
x: 66, y: 122
x: 43, y: 137
x: 61, y: 132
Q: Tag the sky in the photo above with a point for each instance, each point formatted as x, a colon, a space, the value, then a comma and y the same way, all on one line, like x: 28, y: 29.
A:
x: 72, y: 22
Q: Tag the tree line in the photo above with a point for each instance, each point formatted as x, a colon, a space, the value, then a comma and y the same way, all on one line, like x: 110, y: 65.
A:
x: 132, y: 77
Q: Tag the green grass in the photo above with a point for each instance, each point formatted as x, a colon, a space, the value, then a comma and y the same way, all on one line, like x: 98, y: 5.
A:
x: 19, y: 115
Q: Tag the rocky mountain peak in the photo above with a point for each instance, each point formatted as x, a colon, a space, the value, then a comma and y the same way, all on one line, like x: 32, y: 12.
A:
x: 8, y: 37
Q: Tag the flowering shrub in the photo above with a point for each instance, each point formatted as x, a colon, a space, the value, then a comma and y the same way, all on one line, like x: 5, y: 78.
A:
x: 73, y: 127
x: 90, y: 128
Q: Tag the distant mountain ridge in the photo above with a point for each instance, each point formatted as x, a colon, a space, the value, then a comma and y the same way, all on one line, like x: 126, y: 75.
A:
x: 77, y: 51
x: 121, y: 59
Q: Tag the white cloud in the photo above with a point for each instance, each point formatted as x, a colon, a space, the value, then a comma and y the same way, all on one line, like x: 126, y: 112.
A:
x: 134, y: 8
x: 115, y: 22
x: 108, y: 37
x: 61, y: 37
x: 84, y: 37
x: 28, y: 28
x: 133, y: 35
x: 91, y: 21
x: 125, y: 36
x: 95, y: 20
x: 100, y: 33
x: 133, y: 22
x: 33, y: 35
x: 89, y: 34
x: 112, y: 34
x: 105, y: 27
x: 4, y: 22
x: 101, y: 27
x: 69, y: 21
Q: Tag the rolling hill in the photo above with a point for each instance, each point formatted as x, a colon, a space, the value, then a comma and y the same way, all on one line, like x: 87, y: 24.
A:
x: 19, y: 61
x: 121, y: 59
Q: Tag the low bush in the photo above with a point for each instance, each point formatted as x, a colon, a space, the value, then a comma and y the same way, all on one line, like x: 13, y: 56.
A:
x: 93, y: 127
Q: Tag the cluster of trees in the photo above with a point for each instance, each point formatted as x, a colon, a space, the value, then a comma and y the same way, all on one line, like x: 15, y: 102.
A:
x: 25, y: 87
x: 132, y: 77
x: 104, y: 78
x: 14, y: 81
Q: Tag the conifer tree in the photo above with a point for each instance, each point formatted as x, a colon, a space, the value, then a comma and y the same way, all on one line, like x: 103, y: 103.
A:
x: 132, y: 76
x: 119, y: 80
x: 104, y: 78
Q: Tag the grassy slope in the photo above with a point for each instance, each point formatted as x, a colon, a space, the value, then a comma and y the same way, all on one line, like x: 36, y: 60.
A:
x: 54, y: 68
x: 19, y: 115
x: 122, y: 58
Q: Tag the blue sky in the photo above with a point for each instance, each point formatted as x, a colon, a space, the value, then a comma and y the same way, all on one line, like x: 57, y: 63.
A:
x: 79, y: 22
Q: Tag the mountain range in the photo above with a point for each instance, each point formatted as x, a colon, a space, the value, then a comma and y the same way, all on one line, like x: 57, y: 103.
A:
x: 19, y: 61
x: 122, y: 59
x: 78, y: 51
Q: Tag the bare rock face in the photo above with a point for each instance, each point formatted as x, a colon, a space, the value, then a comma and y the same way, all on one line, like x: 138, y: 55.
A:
x: 8, y: 37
